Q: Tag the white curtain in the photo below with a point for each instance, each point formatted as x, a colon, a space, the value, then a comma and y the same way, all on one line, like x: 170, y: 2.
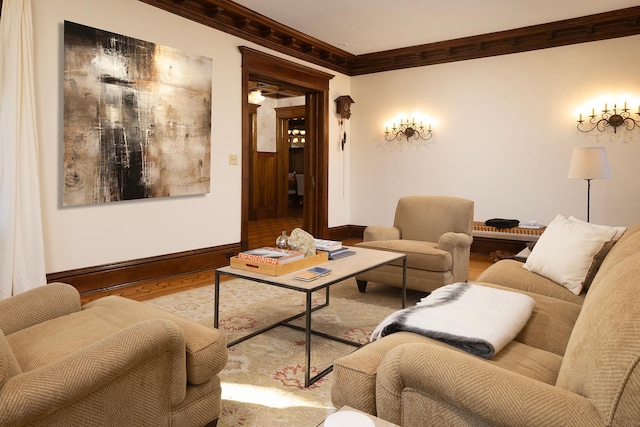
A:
x: 21, y: 242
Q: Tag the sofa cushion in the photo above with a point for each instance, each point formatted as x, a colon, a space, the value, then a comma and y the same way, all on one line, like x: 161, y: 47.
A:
x: 420, y: 255
x: 551, y: 323
x: 39, y: 345
x: 355, y: 374
x: 566, y: 251
x: 602, y: 253
x: 9, y: 366
x: 206, y: 348
x: 510, y: 274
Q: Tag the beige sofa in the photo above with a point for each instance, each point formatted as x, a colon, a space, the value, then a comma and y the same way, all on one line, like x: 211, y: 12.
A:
x: 435, y: 234
x: 113, y: 362
x: 575, y: 363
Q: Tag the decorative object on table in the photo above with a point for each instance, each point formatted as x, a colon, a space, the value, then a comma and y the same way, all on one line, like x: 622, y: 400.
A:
x: 532, y: 225
x: 282, y: 240
x: 274, y: 256
x: 132, y: 128
x: 302, y: 241
x: 502, y: 223
x: 409, y: 130
x: 342, y: 253
x: 327, y: 245
x: 589, y: 163
x: 610, y: 118
x: 312, y: 274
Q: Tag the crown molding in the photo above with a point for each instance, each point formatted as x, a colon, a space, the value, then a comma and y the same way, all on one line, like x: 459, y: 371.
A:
x: 244, y: 23
x: 602, y: 26
x: 232, y: 18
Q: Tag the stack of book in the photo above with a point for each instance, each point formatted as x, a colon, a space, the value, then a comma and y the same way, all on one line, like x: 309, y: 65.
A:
x: 269, y: 255
x: 333, y: 248
x: 312, y: 274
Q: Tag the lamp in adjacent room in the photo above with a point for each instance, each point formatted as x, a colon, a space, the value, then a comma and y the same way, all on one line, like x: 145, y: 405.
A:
x: 256, y: 97
x: 589, y: 163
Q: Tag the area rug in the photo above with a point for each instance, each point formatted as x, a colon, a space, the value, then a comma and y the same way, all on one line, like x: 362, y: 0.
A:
x: 263, y: 382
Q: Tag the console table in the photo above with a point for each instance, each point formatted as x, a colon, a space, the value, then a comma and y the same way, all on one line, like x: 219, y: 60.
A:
x: 490, y: 239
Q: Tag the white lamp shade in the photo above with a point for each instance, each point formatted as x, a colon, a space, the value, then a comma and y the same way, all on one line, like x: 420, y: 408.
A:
x: 589, y: 163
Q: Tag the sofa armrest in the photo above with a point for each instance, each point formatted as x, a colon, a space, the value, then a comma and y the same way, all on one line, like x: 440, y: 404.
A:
x: 38, y: 305
x: 417, y: 381
x: 450, y: 241
x: 380, y: 232
x: 158, y: 343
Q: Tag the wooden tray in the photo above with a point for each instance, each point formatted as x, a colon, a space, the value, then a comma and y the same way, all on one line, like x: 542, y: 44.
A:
x: 278, y: 270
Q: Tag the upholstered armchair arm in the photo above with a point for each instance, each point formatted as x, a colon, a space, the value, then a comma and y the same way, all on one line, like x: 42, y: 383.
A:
x: 420, y: 381
x: 380, y: 232
x: 450, y: 241
x: 38, y: 305
x: 150, y: 353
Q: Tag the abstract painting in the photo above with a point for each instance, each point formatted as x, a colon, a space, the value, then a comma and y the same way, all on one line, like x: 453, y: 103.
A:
x: 137, y: 119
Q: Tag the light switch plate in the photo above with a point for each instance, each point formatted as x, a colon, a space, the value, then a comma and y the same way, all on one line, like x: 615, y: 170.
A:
x: 233, y: 159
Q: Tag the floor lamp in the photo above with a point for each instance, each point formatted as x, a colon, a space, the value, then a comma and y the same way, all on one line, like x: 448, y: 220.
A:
x: 589, y: 163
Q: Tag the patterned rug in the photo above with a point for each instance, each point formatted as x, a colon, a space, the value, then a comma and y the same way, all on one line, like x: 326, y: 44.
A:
x: 263, y: 382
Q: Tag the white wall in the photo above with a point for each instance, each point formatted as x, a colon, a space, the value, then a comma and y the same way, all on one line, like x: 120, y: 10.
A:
x: 505, y: 129
x: 85, y: 236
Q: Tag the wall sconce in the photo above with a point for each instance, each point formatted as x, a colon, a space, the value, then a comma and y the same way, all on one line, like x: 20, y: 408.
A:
x: 408, y: 129
x: 609, y: 118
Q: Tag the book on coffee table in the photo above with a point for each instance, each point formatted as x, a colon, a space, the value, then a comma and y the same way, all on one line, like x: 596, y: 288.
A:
x: 312, y: 274
x: 269, y: 255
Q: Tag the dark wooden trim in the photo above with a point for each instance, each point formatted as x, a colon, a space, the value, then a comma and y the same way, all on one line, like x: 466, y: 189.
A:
x: 602, y: 26
x: 110, y: 276
x: 346, y: 232
x: 230, y: 17
x: 315, y: 84
x: 92, y: 279
x: 246, y: 24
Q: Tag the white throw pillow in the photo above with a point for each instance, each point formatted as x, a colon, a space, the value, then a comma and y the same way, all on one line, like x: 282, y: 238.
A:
x: 566, y: 250
x: 602, y: 253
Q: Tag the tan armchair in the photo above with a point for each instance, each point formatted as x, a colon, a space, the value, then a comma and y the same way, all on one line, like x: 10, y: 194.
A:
x: 435, y: 234
x: 113, y: 362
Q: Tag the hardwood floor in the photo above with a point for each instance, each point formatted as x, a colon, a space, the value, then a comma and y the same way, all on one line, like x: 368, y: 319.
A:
x: 261, y: 233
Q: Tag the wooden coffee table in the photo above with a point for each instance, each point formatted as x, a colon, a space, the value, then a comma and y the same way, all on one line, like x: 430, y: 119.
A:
x: 341, y: 269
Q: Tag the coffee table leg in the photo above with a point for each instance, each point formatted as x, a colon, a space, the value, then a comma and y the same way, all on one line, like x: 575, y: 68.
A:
x: 404, y: 282
x: 216, y: 300
x: 307, y: 347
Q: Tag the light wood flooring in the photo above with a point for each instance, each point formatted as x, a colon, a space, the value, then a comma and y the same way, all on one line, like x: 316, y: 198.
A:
x: 261, y: 233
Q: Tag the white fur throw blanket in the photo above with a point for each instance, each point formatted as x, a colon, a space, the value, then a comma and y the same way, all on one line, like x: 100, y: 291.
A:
x: 474, y: 318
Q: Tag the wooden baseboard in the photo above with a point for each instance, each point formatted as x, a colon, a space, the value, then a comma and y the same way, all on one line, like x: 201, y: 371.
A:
x: 346, y: 232
x: 103, y: 277
x: 99, y: 278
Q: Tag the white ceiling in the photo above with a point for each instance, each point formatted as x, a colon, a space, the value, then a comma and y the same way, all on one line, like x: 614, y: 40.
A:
x: 365, y: 26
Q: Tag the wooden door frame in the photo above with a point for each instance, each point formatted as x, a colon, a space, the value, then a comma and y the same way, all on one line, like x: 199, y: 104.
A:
x: 261, y: 66
x: 284, y: 114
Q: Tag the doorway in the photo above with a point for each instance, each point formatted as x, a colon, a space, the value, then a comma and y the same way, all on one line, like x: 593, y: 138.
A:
x: 257, y: 66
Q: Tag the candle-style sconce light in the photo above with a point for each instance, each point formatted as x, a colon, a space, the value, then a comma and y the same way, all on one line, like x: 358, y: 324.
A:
x: 609, y: 118
x: 409, y: 130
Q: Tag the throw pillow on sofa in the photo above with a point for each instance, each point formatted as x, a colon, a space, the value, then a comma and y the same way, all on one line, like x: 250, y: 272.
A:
x: 567, y: 250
